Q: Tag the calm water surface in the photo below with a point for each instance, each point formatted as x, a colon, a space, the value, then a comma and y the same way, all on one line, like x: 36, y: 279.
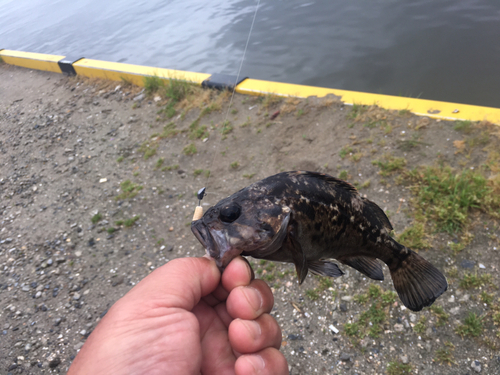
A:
x: 443, y: 50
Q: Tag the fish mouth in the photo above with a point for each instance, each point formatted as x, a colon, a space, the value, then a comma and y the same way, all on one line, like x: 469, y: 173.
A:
x: 216, y: 244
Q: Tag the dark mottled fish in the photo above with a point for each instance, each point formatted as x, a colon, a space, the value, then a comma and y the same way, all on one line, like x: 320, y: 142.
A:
x: 307, y: 218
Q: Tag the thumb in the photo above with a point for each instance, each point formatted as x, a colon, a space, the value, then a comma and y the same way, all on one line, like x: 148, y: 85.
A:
x: 180, y: 283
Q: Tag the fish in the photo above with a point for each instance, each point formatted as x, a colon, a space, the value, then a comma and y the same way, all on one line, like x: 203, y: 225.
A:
x: 309, y: 219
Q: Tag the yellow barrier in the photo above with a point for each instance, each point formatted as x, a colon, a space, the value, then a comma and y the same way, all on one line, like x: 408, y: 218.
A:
x: 38, y: 61
x: 132, y: 73
x: 421, y: 107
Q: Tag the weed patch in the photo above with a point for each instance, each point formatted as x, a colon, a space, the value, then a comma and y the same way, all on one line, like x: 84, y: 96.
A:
x: 129, y: 190
x: 96, y: 218
x: 389, y: 164
x: 446, y: 197
x: 398, y: 368
x: 473, y: 326
x: 190, y: 149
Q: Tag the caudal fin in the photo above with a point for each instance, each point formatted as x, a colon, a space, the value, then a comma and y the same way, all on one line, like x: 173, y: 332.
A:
x: 418, y: 282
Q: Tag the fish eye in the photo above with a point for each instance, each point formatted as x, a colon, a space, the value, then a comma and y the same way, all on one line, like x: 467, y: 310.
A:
x: 230, y: 213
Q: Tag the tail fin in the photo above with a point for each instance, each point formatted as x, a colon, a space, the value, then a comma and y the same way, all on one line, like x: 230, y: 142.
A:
x: 418, y: 282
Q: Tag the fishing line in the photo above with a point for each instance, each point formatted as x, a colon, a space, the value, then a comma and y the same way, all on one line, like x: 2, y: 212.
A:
x: 198, y: 213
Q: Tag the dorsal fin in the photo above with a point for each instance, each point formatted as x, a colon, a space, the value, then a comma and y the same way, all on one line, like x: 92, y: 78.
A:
x: 375, y: 215
x: 330, y: 179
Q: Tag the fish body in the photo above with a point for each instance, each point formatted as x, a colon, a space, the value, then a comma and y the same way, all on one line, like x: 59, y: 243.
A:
x: 307, y: 218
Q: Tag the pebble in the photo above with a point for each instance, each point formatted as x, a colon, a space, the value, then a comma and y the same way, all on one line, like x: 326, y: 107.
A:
x: 404, y: 359
x: 76, y: 296
x: 413, y: 318
x: 346, y: 298
x: 464, y: 298
x: 38, y: 294
x: 398, y: 327
x: 55, y: 362
x: 25, y: 288
x: 451, y: 299
x: 467, y: 264
x: 343, y: 307
x: 346, y: 357
x: 482, y: 266
x: 476, y: 366
x: 57, y: 321
x: 454, y: 310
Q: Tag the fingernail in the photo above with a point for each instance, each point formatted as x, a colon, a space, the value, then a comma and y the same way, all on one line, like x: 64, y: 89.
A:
x: 253, y: 328
x: 254, y: 298
x: 249, y: 269
x: 256, y: 361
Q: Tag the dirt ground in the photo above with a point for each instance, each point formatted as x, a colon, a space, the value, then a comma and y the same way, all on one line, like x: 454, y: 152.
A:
x: 97, y: 189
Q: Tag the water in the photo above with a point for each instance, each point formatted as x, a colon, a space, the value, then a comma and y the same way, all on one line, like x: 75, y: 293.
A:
x: 443, y: 50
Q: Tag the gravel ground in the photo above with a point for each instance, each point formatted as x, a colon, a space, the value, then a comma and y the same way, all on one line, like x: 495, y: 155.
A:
x: 97, y: 189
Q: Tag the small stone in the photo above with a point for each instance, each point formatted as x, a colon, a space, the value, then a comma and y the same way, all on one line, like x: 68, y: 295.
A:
x: 27, y: 347
x: 343, y: 307
x: 83, y: 332
x: 139, y: 97
x: 455, y: 310
x: 451, y: 299
x: 117, y: 281
x: 76, y: 296
x: 102, y: 180
x: 404, y: 359
x: 57, y: 321
x: 345, y: 357
x: 12, y: 367
x: 55, y: 362
x: 38, y: 294
x: 78, y: 253
x: 292, y: 336
x: 346, y: 298
x: 157, y: 98
x: 49, y: 262
x: 482, y: 266
x: 25, y: 288
x: 476, y: 366
x: 78, y: 346
x: 413, y: 318
x: 465, y: 298
x: 398, y: 327
x: 467, y: 264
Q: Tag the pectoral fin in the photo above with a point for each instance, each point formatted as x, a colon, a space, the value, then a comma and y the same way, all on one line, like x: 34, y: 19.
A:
x: 367, y: 266
x: 298, y: 256
x: 325, y: 268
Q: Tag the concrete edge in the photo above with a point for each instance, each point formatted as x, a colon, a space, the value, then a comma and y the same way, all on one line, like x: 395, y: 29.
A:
x: 135, y: 74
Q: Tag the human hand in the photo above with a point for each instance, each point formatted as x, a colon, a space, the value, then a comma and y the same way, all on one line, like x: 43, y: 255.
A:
x: 184, y: 318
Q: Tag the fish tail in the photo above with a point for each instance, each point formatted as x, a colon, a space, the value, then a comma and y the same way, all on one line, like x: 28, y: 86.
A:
x: 417, y: 282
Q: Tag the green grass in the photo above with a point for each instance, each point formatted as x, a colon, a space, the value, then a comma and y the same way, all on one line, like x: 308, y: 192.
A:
x: 398, y: 368
x: 473, y: 326
x: 470, y: 281
x: 420, y: 326
x: 343, y: 174
x: 389, y: 164
x: 226, y: 127
x: 196, y: 131
x: 159, y: 163
x: 177, y: 90
x: 96, y: 218
x: 197, y: 172
x: 169, y: 131
x: 463, y: 126
x: 190, y: 149
x: 344, y: 152
x: 445, y: 355
x: 414, y: 237
x: 441, y: 315
x: 129, y: 190
x: 152, y: 84
x: 111, y: 230
x: 235, y: 164
x: 249, y: 175
x: 356, y: 111
x: 446, y: 197
x: 128, y: 222
x: 120, y: 159
x: 149, y: 150
x: 370, y: 322
x: 170, y: 167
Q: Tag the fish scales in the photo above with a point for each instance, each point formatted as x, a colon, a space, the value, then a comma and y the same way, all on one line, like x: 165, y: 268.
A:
x: 308, y: 218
